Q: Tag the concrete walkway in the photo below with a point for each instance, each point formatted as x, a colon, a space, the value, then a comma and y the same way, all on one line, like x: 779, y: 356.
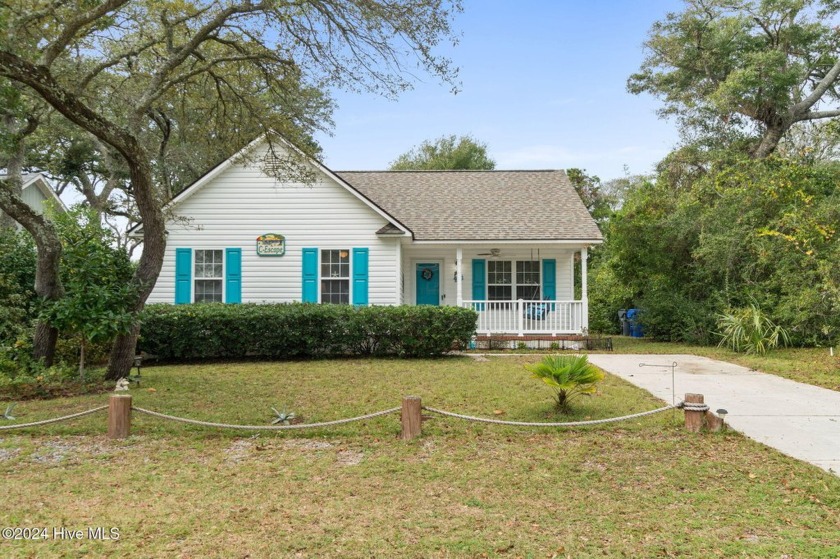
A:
x: 800, y: 420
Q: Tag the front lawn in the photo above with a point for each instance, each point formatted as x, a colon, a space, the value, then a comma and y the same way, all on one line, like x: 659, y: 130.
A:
x: 644, y: 488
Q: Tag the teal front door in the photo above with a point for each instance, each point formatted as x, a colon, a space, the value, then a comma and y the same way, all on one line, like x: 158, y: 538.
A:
x: 428, y: 284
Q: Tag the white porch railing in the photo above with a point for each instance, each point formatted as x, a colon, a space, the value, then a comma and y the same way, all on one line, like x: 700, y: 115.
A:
x: 528, y: 317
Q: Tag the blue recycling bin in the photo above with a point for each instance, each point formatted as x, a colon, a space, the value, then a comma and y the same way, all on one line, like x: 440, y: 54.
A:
x: 634, y: 324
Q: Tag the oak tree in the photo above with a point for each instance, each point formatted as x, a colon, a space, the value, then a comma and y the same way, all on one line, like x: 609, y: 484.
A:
x: 752, y: 66
x: 122, y: 71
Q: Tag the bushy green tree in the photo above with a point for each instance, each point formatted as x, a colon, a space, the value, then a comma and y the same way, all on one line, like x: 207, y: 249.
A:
x: 17, y: 282
x: 97, y: 305
x: 742, y: 231
x: 446, y: 153
x: 745, y: 69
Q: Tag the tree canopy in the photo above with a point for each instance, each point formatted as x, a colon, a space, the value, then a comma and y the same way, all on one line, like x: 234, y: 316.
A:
x: 159, y: 89
x: 749, y: 69
x: 446, y: 153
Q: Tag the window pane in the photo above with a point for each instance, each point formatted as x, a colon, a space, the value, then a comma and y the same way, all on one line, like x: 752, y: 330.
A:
x: 208, y: 264
x: 335, y: 263
x: 336, y: 291
x: 527, y: 273
x: 528, y: 292
x: 499, y: 293
x: 208, y: 291
x: 499, y: 272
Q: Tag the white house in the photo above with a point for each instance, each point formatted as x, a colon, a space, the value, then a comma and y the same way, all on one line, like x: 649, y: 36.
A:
x: 501, y: 242
x: 36, y: 192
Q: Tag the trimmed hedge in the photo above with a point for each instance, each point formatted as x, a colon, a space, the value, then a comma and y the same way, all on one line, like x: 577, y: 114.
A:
x: 300, y: 331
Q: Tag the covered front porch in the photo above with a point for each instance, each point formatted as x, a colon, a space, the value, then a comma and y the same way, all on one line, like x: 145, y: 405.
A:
x: 519, y: 289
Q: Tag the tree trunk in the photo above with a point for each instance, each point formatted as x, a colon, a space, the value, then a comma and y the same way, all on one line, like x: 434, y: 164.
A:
x: 47, y: 280
x: 770, y: 140
x: 44, y: 342
x: 122, y: 355
x: 82, y: 360
x: 148, y: 269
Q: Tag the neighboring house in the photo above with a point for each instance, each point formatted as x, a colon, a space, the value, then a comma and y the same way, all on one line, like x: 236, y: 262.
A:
x: 36, y: 192
x: 501, y: 242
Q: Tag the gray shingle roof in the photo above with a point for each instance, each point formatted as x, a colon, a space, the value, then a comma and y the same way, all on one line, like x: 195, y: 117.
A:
x: 479, y: 205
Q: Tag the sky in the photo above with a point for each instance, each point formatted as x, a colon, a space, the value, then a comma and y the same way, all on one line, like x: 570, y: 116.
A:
x: 543, y: 84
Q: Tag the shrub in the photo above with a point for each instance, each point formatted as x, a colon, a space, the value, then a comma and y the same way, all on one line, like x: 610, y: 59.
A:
x: 749, y: 330
x: 300, y: 331
x: 22, y: 377
x: 569, y: 375
x: 671, y: 317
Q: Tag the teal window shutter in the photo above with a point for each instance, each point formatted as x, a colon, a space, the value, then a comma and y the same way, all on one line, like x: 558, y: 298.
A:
x: 479, y: 281
x: 309, y: 292
x: 360, y: 276
x: 233, y: 275
x: 183, y: 276
x: 549, y: 279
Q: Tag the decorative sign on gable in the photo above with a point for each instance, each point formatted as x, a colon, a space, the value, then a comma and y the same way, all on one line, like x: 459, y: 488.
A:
x: 271, y: 244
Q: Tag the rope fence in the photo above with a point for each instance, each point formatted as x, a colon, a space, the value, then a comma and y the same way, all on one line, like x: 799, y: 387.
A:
x: 53, y: 420
x: 697, y: 416
x: 550, y: 424
x: 264, y: 427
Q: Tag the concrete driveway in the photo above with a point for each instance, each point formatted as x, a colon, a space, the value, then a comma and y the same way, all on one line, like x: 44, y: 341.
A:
x: 800, y: 420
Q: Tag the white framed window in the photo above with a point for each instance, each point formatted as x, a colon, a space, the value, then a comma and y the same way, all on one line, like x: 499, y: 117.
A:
x: 528, y: 285
x: 209, y: 276
x: 335, y: 276
x: 499, y: 280
x: 505, y: 285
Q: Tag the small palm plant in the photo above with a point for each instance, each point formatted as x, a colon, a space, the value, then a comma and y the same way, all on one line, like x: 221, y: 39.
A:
x: 749, y: 330
x: 570, y: 376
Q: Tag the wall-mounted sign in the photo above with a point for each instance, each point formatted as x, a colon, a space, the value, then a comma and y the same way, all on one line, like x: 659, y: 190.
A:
x: 271, y: 244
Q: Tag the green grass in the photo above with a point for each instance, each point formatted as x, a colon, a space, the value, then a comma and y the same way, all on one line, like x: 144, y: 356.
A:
x: 644, y: 488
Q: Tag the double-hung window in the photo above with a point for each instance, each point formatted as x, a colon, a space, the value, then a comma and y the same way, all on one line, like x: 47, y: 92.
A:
x: 335, y: 276
x: 503, y: 284
x: 528, y: 280
x: 499, y: 280
x: 209, y: 273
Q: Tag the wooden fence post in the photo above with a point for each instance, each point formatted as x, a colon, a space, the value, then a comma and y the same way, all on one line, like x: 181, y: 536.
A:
x: 411, y: 419
x: 119, y: 416
x: 694, y: 419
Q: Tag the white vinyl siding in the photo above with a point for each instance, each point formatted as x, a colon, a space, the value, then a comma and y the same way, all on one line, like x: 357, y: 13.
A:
x: 242, y: 203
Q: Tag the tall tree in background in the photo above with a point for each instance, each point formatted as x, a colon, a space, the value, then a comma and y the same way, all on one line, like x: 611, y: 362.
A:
x: 745, y: 68
x: 21, y: 113
x: 446, y: 153
x: 136, y: 75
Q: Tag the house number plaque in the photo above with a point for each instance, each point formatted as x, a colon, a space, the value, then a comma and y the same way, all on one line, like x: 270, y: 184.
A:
x: 271, y: 244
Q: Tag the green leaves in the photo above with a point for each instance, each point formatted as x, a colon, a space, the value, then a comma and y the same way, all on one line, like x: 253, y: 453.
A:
x: 446, y: 153
x: 569, y: 375
x: 749, y: 330
x: 741, y: 65
x: 301, y: 331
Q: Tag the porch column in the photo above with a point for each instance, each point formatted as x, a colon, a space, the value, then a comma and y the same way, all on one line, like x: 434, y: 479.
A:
x: 398, y: 278
x: 459, y: 277
x: 584, y: 295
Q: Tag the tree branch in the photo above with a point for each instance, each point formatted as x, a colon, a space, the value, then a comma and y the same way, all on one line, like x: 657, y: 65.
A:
x: 54, y: 49
x: 815, y: 115
x: 818, y: 92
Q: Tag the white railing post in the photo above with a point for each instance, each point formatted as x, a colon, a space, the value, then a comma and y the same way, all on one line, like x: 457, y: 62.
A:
x: 520, y: 318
